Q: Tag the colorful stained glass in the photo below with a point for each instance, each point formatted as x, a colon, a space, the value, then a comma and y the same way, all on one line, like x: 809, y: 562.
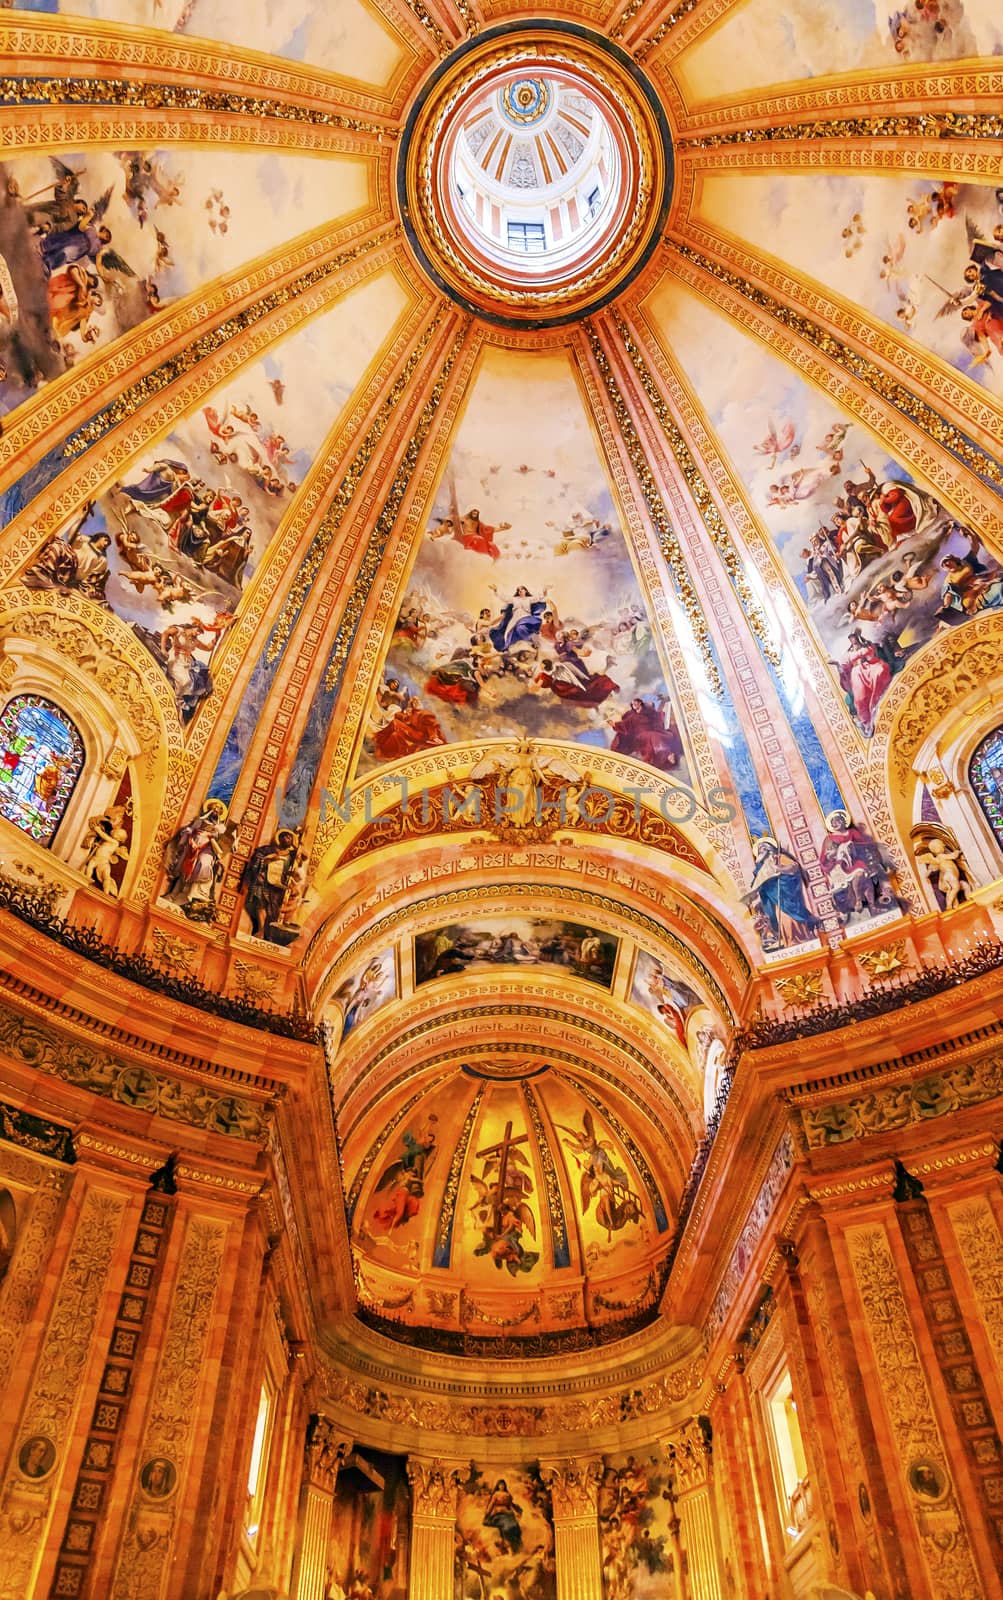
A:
x: 985, y: 773
x: 41, y: 755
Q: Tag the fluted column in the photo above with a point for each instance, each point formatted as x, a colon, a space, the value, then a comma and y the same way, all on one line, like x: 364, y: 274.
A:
x: 574, y: 1488
x: 690, y: 1457
x: 433, y: 1528
x: 325, y: 1450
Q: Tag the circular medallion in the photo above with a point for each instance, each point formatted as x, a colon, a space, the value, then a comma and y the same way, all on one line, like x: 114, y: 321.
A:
x: 535, y: 173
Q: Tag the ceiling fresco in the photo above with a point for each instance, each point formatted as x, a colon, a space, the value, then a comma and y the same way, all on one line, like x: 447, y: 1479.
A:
x: 523, y: 614
x: 94, y: 243
x: 924, y: 256
x: 763, y: 42
x: 351, y: 39
x: 526, y: 685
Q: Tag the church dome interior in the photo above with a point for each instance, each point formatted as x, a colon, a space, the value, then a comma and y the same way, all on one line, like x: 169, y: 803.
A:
x: 501, y: 800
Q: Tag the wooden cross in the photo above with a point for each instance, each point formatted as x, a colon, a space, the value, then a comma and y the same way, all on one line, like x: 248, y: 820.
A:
x: 502, y: 1149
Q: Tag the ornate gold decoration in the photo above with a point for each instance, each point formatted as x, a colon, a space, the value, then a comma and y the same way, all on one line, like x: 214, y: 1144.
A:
x: 906, y: 1397
x: 182, y: 362
x: 21, y: 875
x: 342, y: 498
x: 574, y: 1488
x: 801, y: 988
x: 968, y: 1084
x: 326, y: 1449
x: 433, y: 1488
x: 253, y: 983
x: 737, y: 1271
x: 426, y: 816
x: 140, y: 94
x: 431, y: 27
x: 447, y: 1415
x: 51, y: 1404
x: 888, y: 958
x: 918, y: 411
x: 907, y: 125
x: 978, y: 1236
x: 953, y: 666
x: 75, y: 628
x: 79, y: 43
x: 700, y: 490
x: 383, y: 527
x: 43, y: 1048
x: 177, y: 955
x: 668, y: 542
x: 173, y: 1412
x: 47, y: 1188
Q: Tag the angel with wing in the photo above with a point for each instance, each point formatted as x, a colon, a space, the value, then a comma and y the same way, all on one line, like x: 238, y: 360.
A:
x: 600, y: 1178
x: 403, y: 1182
x: 780, y: 441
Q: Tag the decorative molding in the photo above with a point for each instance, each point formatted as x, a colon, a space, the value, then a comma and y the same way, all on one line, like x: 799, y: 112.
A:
x: 43, y: 1048
x: 668, y: 541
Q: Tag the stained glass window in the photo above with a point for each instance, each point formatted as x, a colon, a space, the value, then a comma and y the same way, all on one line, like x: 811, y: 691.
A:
x: 985, y: 774
x: 41, y: 756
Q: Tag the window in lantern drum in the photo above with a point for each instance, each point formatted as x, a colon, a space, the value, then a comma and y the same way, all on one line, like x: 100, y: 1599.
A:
x: 41, y: 758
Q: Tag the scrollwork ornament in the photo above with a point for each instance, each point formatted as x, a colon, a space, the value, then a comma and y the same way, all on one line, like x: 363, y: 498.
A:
x: 433, y: 1488
x: 902, y: 1383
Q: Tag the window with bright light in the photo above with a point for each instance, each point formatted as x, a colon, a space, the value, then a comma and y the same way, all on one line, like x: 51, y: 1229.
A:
x: 529, y: 237
x: 256, y: 1469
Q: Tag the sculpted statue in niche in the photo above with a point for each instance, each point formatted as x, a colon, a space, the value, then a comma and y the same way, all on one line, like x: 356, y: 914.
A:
x: 941, y: 860
x: 107, y: 843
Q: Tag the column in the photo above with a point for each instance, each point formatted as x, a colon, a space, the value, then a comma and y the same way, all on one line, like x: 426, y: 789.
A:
x: 325, y: 1450
x: 433, y: 1528
x: 690, y: 1455
x: 574, y: 1488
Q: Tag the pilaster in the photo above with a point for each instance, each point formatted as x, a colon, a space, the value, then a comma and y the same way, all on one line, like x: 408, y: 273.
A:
x: 574, y: 1488
x: 433, y: 1526
x: 325, y: 1450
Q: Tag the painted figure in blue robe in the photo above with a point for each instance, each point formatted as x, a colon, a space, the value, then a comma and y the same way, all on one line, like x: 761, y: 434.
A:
x: 519, y: 621
x: 502, y: 1513
x: 777, y: 899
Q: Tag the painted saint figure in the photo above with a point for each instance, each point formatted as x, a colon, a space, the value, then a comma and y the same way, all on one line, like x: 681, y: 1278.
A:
x: 777, y: 894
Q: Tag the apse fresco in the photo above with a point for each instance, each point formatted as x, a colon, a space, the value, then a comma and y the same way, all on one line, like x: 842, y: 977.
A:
x: 614, y: 1214
x: 780, y: 41
x: 369, y: 1553
x: 394, y: 1218
x: 665, y: 997
x: 349, y: 39
x: 94, y: 243
x: 366, y: 992
x: 504, y: 1535
x: 880, y: 565
x: 925, y: 257
x: 523, y: 614
x: 545, y: 945
x: 634, y: 1515
x: 171, y: 546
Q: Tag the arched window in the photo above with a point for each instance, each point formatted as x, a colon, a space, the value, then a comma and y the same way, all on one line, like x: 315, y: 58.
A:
x: 41, y: 757
x: 985, y: 774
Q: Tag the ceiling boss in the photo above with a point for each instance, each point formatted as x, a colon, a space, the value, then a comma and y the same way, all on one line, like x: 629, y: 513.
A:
x: 535, y: 173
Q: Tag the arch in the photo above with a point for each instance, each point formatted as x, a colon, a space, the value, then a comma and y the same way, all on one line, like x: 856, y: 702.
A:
x: 42, y: 756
